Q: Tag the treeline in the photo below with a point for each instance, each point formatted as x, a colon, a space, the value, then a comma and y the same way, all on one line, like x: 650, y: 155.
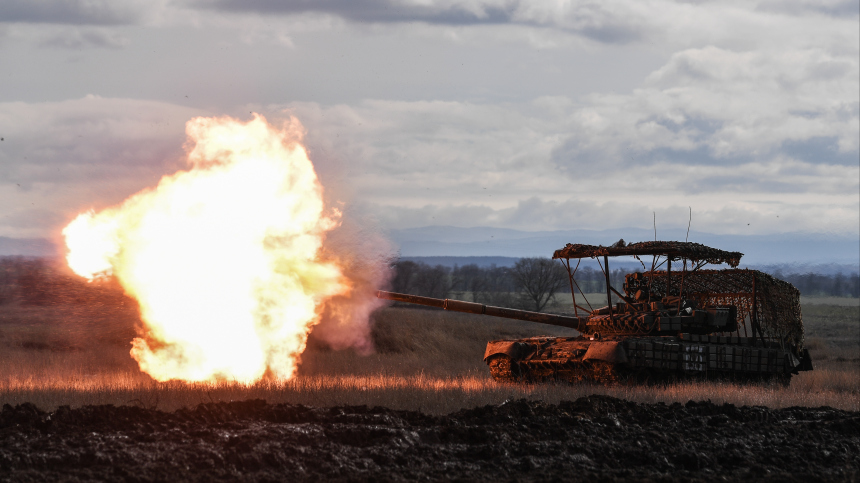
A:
x: 43, y: 281
x: 816, y: 284
x: 532, y: 283
x: 508, y: 286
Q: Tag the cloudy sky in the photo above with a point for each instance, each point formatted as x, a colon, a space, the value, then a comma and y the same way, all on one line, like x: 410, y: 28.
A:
x: 505, y: 113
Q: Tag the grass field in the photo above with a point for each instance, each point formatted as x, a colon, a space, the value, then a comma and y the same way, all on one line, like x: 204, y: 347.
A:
x: 425, y: 359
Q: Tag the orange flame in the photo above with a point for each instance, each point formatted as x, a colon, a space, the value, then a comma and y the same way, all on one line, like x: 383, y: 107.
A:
x: 223, y: 258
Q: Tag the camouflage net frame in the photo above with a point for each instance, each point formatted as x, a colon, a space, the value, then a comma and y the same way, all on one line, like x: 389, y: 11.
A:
x: 673, y: 250
x: 767, y: 307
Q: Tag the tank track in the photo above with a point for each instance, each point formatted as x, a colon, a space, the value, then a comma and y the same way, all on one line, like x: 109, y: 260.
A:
x: 503, y: 369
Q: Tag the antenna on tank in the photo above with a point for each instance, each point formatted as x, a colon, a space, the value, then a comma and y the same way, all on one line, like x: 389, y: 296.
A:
x: 653, y: 257
x: 655, y: 226
x: 688, y: 224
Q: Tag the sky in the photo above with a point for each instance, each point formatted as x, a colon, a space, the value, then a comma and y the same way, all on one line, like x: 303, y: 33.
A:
x: 527, y: 115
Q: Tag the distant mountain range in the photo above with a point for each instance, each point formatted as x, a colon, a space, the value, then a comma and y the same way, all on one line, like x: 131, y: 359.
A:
x: 447, y: 245
x: 27, y: 247
x: 789, y: 252
x: 784, y: 268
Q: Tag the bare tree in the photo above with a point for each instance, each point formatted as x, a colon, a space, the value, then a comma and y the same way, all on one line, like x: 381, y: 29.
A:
x: 500, y: 288
x: 405, y: 272
x: 540, y: 279
x: 433, y: 281
x: 421, y: 279
x: 468, y: 278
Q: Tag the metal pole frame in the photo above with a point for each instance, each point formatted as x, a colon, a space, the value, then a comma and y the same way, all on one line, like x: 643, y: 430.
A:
x: 608, y: 286
x: 573, y: 283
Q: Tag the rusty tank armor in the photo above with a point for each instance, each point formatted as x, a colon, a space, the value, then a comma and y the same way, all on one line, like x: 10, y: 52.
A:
x: 737, y: 324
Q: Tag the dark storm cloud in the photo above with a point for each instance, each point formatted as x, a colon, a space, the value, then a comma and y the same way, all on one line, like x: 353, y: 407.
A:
x: 819, y: 149
x: 577, y: 154
x: 618, y: 33
x: 590, y: 21
x: 698, y: 125
x: 371, y: 10
x: 577, y: 157
x: 736, y: 183
x: 73, y: 12
x: 728, y: 173
x: 770, y: 170
x: 840, y: 8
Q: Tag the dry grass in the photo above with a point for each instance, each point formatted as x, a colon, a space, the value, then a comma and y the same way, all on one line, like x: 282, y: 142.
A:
x: 436, y: 395
x: 832, y: 333
x: 427, y: 360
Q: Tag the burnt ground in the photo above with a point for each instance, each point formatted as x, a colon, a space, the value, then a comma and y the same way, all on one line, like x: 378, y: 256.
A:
x: 596, y: 438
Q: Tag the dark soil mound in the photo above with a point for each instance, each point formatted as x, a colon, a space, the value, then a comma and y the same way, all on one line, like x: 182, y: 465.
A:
x: 594, y: 438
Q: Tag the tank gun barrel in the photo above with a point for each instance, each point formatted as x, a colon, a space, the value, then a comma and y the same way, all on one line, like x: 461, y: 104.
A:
x: 577, y: 323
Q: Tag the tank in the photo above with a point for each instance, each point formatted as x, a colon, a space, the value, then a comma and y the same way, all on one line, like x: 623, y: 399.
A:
x: 688, y: 324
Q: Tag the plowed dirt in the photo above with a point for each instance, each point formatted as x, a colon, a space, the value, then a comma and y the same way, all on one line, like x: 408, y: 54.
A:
x: 596, y: 438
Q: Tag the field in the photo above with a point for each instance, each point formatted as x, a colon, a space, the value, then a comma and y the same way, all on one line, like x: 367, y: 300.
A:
x: 425, y: 360
x: 422, y: 407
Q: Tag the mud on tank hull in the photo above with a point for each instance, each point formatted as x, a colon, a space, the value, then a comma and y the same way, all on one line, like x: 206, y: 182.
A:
x: 642, y: 359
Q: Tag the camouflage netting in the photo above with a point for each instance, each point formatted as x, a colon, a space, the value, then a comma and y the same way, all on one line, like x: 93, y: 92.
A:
x: 672, y: 249
x: 777, y: 303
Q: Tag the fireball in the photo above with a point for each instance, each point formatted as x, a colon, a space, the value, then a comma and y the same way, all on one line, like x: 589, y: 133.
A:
x: 224, y: 258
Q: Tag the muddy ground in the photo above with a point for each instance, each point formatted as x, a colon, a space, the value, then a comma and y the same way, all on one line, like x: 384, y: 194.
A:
x: 596, y: 438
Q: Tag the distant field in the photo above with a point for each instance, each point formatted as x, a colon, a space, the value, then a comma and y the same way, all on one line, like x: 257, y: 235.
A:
x: 425, y: 359
x: 841, y: 301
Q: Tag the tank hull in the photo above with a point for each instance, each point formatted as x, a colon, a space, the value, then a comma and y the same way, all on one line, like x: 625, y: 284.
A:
x: 642, y: 359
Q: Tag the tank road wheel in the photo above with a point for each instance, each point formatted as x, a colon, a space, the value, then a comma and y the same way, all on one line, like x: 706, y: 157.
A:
x: 503, y: 369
